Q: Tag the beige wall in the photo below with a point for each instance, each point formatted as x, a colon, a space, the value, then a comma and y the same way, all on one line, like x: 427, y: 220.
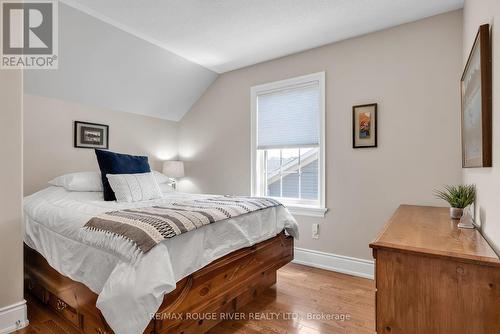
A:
x: 487, y: 180
x: 48, y: 138
x: 11, y: 245
x: 411, y: 71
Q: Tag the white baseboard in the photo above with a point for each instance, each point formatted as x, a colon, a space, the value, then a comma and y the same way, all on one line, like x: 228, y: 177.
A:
x: 13, y: 317
x: 339, y: 263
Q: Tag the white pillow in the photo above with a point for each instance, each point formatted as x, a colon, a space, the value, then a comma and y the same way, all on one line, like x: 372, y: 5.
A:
x: 161, y: 178
x: 134, y: 187
x: 82, y: 181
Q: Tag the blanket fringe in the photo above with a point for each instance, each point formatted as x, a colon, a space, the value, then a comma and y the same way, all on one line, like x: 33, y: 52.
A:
x: 118, y: 245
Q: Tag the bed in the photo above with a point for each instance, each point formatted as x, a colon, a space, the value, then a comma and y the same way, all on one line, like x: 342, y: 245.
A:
x: 215, y: 269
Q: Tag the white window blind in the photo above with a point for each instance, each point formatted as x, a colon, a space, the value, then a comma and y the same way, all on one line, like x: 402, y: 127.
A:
x: 288, y: 147
x: 289, y: 118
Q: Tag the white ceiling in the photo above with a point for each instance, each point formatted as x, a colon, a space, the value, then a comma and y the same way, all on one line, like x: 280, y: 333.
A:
x: 224, y: 35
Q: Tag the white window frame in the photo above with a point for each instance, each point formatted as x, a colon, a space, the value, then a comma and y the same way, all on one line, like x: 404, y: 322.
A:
x: 295, y: 206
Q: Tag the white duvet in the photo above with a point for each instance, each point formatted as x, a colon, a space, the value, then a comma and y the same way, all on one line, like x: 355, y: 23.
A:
x: 130, y: 292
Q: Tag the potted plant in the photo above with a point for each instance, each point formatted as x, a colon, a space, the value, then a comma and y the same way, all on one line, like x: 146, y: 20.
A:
x: 458, y: 197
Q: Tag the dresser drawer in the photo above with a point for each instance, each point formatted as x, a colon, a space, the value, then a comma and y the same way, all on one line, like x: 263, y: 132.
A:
x: 38, y: 291
x: 65, y: 310
x: 434, y: 278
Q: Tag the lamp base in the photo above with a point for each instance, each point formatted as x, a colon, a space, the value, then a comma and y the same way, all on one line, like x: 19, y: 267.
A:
x: 470, y: 227
x: 467, y: 221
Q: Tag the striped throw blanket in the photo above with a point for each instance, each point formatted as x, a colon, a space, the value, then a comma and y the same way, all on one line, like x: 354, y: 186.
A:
x: 147, y: 227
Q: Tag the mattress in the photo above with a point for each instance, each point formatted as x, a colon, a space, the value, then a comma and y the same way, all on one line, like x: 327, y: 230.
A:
x: 130, y: 292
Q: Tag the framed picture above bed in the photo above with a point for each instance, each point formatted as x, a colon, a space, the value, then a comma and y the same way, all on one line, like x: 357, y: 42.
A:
x: 476, y: 103
x: 91, y: 135
x: 364, y: 125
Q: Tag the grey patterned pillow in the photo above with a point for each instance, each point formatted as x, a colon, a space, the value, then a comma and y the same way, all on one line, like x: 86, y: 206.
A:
x: 134, y: 187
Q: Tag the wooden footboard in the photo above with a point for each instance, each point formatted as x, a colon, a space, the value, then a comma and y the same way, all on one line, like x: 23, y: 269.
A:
x: 199, y: 302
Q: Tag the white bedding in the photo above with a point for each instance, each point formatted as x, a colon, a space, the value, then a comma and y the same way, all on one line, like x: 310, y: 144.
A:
x: 130, y: 292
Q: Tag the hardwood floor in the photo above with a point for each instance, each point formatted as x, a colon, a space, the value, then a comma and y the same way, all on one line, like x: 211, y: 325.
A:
x: 301, y: 293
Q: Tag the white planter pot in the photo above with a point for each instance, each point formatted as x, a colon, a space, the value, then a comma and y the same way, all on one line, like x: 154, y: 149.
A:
x: 456, y: 213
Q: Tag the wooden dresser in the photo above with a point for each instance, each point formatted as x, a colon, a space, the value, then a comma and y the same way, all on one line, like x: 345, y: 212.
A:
x: 433, y: 278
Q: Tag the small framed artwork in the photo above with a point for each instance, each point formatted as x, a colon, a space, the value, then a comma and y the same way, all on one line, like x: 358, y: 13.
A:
x: 476, y: 103
x: 364, y: 126
x: 91, y: 135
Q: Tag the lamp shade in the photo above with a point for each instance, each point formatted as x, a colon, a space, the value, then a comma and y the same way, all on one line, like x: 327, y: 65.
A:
x: 173, y: 168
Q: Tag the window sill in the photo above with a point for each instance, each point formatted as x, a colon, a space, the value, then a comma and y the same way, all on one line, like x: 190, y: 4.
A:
x: 308, y: 211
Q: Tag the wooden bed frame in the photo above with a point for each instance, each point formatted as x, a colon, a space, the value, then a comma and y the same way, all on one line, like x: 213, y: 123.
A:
x: 222, y: 287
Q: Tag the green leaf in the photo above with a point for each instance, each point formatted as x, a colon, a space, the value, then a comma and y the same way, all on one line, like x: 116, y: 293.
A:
x: 458, y: 196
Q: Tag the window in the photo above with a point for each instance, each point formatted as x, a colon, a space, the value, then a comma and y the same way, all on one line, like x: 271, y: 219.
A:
x: 288, y: 143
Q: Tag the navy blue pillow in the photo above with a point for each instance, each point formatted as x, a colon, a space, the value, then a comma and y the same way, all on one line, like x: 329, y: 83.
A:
x: 116, y: 163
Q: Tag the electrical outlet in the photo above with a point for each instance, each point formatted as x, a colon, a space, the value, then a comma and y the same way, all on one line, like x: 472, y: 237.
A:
x: 315, y: 231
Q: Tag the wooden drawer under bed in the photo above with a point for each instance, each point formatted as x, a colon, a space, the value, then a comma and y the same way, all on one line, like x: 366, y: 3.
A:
x: 224, y: 286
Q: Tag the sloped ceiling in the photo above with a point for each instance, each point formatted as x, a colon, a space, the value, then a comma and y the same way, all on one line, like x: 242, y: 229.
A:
x: 224, y: 35
x: 103, y: 66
